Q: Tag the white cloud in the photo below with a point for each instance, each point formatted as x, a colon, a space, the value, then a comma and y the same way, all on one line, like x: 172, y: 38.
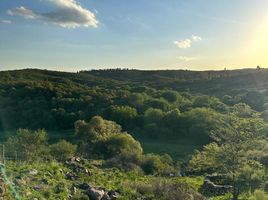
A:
x: 67, y: 13
x: 186, y: 58
x: 22, y: 11
x: 183, y: 44
x: 187, y: 43
x: 196, y: 38
x: 3, y: 21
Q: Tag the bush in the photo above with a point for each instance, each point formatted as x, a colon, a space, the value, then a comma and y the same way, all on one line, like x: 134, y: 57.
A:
x: 27, y: 145
x: 123, y: 115
x: 165, y: 189
x: 155, y: 164
x: 123, y: 146
x: 96, y: 129
x: 62, y: 150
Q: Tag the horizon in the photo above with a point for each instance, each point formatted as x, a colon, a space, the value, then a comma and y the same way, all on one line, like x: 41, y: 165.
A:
x: 132, y: 69
x: 197, y: 35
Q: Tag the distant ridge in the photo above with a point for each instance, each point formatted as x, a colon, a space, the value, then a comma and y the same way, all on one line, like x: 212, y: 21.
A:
x: 211, y: 82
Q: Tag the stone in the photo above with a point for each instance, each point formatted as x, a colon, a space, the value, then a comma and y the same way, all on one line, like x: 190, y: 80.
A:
x: 37, y: 187
x: 33, y: 172
x: 113, y: 194
x: 83, y: 186
x: 95, y: 194
x: 211, y: 188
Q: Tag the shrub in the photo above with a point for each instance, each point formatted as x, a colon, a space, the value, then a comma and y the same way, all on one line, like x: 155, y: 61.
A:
x: 123, y: 146
x: 27, y: 145
x: 62, y: 150
x: 155, y: 164
x: 165, y: 189
x: 96, y: 129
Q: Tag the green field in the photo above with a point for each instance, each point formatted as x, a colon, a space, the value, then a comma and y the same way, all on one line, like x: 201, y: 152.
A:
x: 178, y: 149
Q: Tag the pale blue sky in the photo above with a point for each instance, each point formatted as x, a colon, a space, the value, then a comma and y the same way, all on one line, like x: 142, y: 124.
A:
x: 72, y: 35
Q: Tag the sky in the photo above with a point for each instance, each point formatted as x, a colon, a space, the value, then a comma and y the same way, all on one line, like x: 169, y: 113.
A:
x: 73, y: 35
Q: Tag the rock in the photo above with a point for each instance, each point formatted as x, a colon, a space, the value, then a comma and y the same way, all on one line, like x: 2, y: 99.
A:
x: 76, y: 164
x: 33, y: 172
x: 83, y: 186
x: 95, y: 194
x: 212, y: 189
x: 105, y: 197
x: 37, y: 187
x: 71, y: 176
x: 112, y: 194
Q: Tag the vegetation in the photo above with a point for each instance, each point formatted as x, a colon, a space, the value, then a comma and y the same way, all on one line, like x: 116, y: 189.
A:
x: 114, y: 130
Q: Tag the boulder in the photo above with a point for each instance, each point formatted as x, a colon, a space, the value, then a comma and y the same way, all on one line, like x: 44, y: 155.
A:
x: 83, y: 186
x: 95, y: 194
x: 211, y: 188
x: 113, y: 194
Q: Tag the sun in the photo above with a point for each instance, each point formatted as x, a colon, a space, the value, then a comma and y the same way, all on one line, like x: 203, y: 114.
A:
x: 255, y: 49
x: 260, y: 43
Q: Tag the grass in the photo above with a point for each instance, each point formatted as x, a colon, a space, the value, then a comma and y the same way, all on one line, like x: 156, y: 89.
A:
x: 178, y: 149
x: 53, y: 185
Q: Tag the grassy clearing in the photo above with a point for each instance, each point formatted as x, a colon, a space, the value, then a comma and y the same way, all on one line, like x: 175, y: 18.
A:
x: 178, y: 149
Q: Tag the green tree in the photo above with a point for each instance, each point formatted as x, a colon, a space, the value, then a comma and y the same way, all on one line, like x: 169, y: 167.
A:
x: 123, y: 115
x: 171, y: 96
x: 123, y: 146
x: 202, y: 101
x: 231, y: 154
x: 153, y: 115
x: 96, y: 129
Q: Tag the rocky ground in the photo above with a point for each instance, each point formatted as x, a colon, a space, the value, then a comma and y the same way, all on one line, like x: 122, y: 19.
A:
x: 83, y: 179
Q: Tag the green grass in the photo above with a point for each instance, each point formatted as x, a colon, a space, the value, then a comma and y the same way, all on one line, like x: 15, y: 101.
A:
x: 51, y: 179
x: 178, y: 149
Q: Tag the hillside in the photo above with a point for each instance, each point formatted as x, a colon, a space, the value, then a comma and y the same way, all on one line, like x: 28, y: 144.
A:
x: 129, y: 134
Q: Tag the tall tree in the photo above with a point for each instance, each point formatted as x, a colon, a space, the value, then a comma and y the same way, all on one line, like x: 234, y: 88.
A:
x: 231, y: 155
